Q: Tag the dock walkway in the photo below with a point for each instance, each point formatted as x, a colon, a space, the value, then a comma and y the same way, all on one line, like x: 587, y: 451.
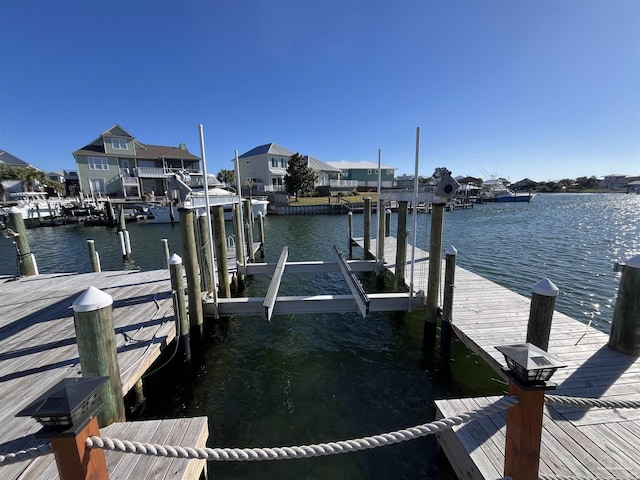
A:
x: 576, y: 442
x: 38, y: 349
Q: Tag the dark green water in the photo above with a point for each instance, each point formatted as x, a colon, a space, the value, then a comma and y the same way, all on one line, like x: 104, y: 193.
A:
x: 316, y: 378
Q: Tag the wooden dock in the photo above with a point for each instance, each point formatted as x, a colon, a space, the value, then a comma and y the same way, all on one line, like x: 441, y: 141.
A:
x: 576, y: 442
x: 38, y: 349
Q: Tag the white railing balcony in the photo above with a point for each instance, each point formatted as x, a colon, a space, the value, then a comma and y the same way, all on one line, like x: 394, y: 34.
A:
x: 150, y: 172
x: 343, y: 183
x: 130, y: 181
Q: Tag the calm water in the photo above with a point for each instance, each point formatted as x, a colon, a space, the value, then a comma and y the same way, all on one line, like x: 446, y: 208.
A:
x: 314, y: 378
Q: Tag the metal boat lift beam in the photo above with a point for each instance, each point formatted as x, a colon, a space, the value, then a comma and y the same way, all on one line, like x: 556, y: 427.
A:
x: 359, y: 295
x: 312, y: 304
x: 320, y: 266
x: 274, y: 286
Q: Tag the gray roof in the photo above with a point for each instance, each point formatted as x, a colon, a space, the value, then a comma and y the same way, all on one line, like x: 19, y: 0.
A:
x: 7, y: 159
x: 271, y: 148
x: 320, y: 166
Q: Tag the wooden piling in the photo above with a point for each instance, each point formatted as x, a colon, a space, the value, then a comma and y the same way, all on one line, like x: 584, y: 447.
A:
x: 524, y: 433
x: 238, y: 230
x: 261, y: 233
x: 204, y: 256
x: 180, y: 312
x: 96, y: 339
x: 248, y: 219
x: 543, y: 302
x: 165, y: 248
x: 122, y: 224
x: 367, y: 225
x: 220, y: 243
x: 387, y: 223
x: 446, y: 331
x: 26, y: 260
x: 111, y: 216
x: 401, y: 247
x: 625, y: 329
x: 191, y: 269
x: 350, y: 239
x: 93, y: 256
x: 433, y: 281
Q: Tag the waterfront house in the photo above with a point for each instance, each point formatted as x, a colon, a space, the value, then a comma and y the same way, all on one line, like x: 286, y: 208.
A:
x: 118, y: 165
x: 8, y: 160
x: 365, y: 174
x: 266, y: 165
x: 614, y: 181
x: 69, y: 179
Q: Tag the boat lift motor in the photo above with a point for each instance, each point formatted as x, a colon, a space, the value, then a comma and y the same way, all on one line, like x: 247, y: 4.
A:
x: 447, y: 185
x: 179, y: 191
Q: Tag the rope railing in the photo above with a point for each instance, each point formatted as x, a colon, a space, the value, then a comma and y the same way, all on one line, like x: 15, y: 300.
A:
x: 590, y: 402
x: 305, y: 451
x: 28, y: 454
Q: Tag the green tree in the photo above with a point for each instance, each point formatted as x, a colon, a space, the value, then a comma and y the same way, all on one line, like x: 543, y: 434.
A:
x: 299, y: 177
x: 29, y: 177
x: 228, y: 177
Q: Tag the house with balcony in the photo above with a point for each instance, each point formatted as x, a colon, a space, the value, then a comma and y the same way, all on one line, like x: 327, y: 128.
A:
x: 615, y: 181
x: 267, y: 165
x: 117, y: 165
x: 365, y: 174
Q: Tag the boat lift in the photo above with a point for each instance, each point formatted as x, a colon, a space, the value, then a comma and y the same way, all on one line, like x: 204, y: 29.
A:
x: 358, y: 301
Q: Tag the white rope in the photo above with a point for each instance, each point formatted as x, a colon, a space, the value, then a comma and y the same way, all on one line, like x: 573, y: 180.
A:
x: 591, y: 402
x: 305, y: 451
x: 28, y: 454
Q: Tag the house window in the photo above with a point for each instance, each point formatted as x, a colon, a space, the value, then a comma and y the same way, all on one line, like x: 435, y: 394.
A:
x: 119, y: 144
x: 369, y: 172
x: 375, y: 172
x: 389, y: 172
x: 283, y: 163
x: 98, y: 163
x: 97, y: 185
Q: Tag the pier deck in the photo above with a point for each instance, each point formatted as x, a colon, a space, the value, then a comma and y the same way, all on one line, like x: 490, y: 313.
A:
x: 38, y: 349
x: 576, y: 442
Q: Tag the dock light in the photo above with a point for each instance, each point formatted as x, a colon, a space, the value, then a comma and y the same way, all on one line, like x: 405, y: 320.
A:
x: 67, y: 407
x: 529, y: 364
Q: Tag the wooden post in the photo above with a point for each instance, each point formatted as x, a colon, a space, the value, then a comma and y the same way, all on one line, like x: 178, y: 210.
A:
x: 238, y: 230
x: 180, y: 311
x: 138, y: 393
x: 446, y: 331
x: 387, y: 223
x: 367, y: 225
x: 401, y: 247
x: 172, y: 214
x: 93, y: 320
x: 524, y: 432
x: 93, y: 256
x: 543, y: 302
x: 261, y: 233
x: 165, y: 247
x: 76, y: 461
x: 123, y: 235
x: 220, y: 243
x: 122, y: 224
x: 350, y: 220
x: 111, y: 217
x: 625, y: 328
x: 249, y: 223
x: 433, y: 282
x: 191, y: 269
x: 206, y: 262
x: 26, y: 260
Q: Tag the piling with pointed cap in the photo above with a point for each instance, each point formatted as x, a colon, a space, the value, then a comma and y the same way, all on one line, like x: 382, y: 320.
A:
x: 401, y: 247
x: 94, y: 258
x: 25, y: 257
x: 625, y: 328
x: 191, y: 270
x: 180, y: 311
x: 543, y: 302
x: 93, y: 320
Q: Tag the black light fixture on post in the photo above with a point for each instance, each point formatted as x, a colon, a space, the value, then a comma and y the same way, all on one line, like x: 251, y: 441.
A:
x: 528, y: 364
x: 68, y: 413
x: 529, y: 370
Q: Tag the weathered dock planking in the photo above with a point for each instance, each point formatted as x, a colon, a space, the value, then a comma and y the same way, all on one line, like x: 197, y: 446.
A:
x: 38, y: 349
x: 576, y: 442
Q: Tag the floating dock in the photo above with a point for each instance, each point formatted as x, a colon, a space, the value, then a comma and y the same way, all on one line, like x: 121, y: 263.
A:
x: 38, y: 349
x: 577, y: 442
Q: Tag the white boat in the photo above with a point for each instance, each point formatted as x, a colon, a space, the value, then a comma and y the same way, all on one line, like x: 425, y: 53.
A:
x: 496, y: 191
x: 37, y: 205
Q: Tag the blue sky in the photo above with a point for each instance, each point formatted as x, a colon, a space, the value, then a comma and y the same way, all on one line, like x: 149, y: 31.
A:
x: 538, y: 89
